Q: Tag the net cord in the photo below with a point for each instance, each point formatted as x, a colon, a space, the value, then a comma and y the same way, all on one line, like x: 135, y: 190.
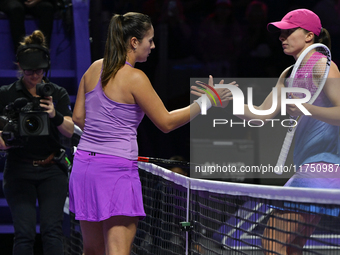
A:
x: 291, y: 194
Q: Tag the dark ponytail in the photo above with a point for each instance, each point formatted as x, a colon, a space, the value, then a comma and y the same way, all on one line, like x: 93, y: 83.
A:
x: 324, y: 38
x: 121, y: 29
x: 115, y: 50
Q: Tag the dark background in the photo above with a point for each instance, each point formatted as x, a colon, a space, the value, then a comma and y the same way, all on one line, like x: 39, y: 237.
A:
x: 195, y: 38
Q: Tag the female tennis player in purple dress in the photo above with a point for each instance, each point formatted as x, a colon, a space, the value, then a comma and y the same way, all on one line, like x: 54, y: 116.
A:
x: 105, y: 190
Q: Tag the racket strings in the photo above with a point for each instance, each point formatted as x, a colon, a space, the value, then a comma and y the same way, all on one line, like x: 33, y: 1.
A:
x: 311, y: 72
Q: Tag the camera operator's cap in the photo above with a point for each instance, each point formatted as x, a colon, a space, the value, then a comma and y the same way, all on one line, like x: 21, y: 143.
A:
x: 302, y: 18
x: 33, y: 56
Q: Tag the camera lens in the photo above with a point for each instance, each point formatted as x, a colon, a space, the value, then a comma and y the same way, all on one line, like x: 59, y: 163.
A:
x: 44, y: 89
x: 32, y: 124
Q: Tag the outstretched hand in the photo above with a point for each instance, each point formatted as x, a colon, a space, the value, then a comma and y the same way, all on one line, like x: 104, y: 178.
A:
x: 223, y: 96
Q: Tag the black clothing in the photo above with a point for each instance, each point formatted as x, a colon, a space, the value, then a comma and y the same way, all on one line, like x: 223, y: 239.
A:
x: 25, y: 183
x: 37, y: 147
x: 16, y: 11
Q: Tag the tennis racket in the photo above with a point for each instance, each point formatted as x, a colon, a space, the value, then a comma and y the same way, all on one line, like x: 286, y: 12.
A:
x: 164, y: 161
x: 309, y: 72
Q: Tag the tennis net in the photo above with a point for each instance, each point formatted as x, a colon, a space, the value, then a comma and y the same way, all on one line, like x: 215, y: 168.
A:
x: 193, y: 216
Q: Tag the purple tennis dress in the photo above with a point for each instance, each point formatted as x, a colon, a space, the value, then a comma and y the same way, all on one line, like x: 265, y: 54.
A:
x: 104, y: 181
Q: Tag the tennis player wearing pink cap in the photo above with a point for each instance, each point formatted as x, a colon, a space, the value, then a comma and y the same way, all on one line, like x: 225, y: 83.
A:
x: 302, y: 18
x: 316, y: 137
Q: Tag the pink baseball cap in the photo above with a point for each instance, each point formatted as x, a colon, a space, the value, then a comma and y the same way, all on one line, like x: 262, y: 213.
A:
x: 303, y: 18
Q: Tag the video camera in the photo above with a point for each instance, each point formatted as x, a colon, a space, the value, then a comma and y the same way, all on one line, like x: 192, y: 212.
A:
x: 23, y: 119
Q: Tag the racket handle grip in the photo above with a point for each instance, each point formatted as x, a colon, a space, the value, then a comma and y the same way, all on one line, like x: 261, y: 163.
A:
x: 284, y: 151
x: 143, y: 159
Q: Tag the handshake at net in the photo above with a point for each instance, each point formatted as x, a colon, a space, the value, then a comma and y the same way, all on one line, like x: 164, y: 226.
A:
x: 210, y: 95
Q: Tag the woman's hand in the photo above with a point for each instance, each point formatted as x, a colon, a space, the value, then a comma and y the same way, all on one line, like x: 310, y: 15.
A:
x: 224, y: 94
x: 48, y: 105
x: 292, y: 109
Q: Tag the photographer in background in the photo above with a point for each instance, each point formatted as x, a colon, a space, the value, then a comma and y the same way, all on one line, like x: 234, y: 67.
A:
x: 32, y: 170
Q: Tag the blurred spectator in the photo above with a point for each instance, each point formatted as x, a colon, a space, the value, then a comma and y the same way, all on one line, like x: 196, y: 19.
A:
x: 16, y: 11
x: 256, y: 45
x: 179, y: 32
x: 329, y: 13
x: 219, y: 36
x: 240, y: 7
x: 169, y: 15
x: 197, y: 10
x: 153, y: 8
x: 121, y: 6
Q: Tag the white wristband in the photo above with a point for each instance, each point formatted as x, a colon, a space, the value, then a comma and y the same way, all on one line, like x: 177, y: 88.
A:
x: 204, y: 104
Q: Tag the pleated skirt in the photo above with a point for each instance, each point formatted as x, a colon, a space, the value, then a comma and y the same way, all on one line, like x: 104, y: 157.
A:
x: 102, y: 186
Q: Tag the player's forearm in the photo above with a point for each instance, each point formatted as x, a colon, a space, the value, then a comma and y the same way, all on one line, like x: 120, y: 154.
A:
x: 78, y: 120
x: 179, y: 117
x: 330, y: 115
x: 67, y: 127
